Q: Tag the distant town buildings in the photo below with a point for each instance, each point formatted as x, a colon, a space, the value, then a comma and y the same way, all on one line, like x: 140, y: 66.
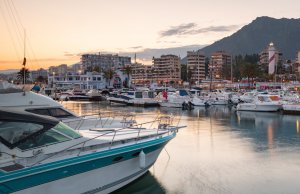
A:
x: 218, y: 62
x: 39, y: 73
x: 196, y: 66
x: 91, y: 71
x: 104, y: 62
x: 58, y: 70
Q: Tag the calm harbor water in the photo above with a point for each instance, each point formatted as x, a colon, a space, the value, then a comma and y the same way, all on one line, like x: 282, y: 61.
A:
x: 220, y: 151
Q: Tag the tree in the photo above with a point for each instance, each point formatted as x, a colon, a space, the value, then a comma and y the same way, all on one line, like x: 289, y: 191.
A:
x: 183, y: 72
x: 128, y: 71
x: 249, y: 70
x: 20, y: 75
x: 41, y: 79
x: 109, y: 74
x: 97, y: 69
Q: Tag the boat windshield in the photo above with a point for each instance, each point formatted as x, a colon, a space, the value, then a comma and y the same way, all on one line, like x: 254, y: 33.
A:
x: 264, y: 99
x: 28, y: 135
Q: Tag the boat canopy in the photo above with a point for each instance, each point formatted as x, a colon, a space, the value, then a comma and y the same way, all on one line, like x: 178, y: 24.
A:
x: 23, y: 116
x: 17, y: 127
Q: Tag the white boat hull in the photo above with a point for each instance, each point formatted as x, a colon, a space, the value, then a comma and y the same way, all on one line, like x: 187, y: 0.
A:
x: 103, y: 180
x: 170, y: 104
x: 291, y: 108
x: 258, y: 107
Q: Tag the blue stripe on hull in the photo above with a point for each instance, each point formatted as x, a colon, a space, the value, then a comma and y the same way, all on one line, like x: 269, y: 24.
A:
x: 33, y: 176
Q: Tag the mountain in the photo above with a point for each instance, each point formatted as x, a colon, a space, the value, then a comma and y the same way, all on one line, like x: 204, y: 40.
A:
x: 254, y: 37
x: 9, y: 71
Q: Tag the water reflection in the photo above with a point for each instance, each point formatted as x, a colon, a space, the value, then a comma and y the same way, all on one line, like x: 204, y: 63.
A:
x: 144, y: 185
x: 220, y: 151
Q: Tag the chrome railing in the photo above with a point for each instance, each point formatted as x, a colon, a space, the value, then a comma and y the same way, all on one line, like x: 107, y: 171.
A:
x: 165, y: 127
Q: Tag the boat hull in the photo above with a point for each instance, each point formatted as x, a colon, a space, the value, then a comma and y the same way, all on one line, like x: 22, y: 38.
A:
x: 170, y: 104
x: 291, y: 109
x: 259, y: 108
x: 93, y: 175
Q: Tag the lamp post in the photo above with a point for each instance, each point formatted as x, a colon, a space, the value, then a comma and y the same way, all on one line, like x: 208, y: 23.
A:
x: 211, y: 77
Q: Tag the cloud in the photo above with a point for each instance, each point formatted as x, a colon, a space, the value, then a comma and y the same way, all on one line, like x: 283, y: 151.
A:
x: 178, y: 30
x: 136, y: 47
x: 192, y: 29
x: 145, y: 55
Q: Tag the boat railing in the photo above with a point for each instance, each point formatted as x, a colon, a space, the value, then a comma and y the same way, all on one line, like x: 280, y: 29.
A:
x: 164, y: 128
x: 102, y: 119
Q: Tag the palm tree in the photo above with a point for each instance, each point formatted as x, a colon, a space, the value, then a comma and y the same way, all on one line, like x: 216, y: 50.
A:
x: 20, y: 75
x: 109, y: 74
x: 128, y: 70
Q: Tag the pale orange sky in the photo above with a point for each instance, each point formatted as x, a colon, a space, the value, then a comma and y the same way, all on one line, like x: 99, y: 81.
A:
x: 58, y: 31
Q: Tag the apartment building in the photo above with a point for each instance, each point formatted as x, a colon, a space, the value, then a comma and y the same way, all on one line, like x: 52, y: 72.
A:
x: 218, y: 62
x: 142, y: 74
x: 196, y: 66
x: 166, y: 68
x: 104, y: 61
x: 58, y: 70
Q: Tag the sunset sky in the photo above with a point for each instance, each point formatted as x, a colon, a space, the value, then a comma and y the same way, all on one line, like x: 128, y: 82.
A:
x: 59, y: 31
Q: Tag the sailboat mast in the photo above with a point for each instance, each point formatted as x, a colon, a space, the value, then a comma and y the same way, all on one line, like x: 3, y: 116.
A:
x: 24, y: 60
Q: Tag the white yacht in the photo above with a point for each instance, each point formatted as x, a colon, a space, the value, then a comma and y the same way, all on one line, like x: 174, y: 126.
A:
x: 198, y: 101
x: 174, y: 99
x: 40, y: 154
x: 134, y: 98
x: 263, y: 103
x: 17, y: 99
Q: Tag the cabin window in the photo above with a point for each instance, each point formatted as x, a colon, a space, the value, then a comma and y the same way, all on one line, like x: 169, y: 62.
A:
x: 39, y: 111
x: 138, y: 95
x: 59, y: 113
x: 151, y: 94
x: 54, y: 112
x: 46, y: 138
x: 13, y: 132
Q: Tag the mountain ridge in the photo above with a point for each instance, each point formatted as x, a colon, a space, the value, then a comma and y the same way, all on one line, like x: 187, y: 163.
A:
x: 256, y: 36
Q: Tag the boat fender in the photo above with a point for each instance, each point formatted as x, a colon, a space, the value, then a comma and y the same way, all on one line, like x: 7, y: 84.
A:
x: 142, y: 158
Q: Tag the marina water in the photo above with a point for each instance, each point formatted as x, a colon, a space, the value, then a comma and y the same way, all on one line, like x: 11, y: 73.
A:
x: 220, y: 151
